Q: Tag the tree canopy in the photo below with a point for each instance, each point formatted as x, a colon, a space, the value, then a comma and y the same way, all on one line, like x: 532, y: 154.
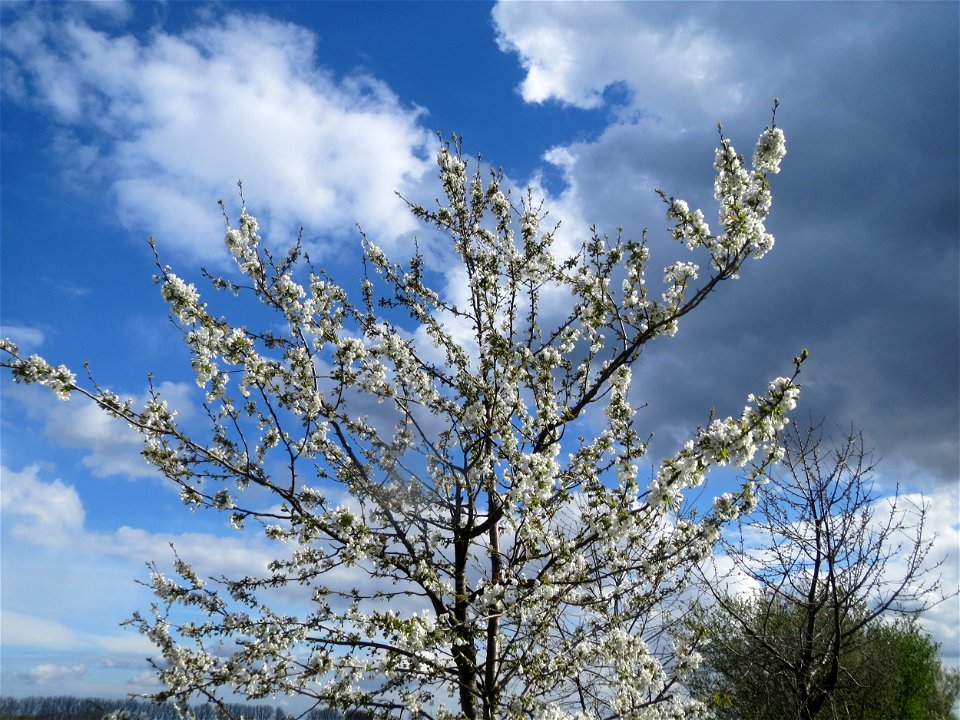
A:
x: 891, y: 670
x: 471, y: 547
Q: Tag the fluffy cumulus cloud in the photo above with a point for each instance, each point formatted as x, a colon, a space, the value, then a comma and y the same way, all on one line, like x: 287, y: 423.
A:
x: 47, y: 513
x: 42, y: 512
x: 50, y: 674
x: 111, y: 448
x: 50, y: 553
x: 67, y: 587
x: 942, y: 529
x: 170, y: 122
x: 573, y: 53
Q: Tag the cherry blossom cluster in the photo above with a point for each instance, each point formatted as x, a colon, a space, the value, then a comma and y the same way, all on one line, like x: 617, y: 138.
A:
x: 744, y: 199
x: 35, y: 369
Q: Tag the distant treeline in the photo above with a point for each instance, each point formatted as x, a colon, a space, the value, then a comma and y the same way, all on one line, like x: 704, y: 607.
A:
x: 66, y: 707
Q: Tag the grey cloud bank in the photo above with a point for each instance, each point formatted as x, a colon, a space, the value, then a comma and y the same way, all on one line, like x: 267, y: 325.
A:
x: 865, y: 272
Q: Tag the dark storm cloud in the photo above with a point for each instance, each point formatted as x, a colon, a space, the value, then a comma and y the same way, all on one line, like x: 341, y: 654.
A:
x: 865, y: 271
x: 867, y: 217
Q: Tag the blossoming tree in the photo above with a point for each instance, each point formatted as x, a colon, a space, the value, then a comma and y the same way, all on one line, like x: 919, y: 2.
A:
x: 505, y: 567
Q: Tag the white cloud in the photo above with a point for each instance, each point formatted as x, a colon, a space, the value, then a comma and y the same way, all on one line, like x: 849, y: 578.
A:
x: 573, y: 52
x: 66, y: 587
x: 49, y: 673
x: 21, y: 629
x: 145, y: 678
x: 71, y: 597
x: 44, y: 513
x: 26, y: 338
x: 115, y: 9
x: 176, y: 120
x: 676, y: 72
x: 235, y: 555
x: 55, y: 515
x: 113, y: 447
x: 723, y: 574
x: 942, y: 529
x: 24, y: 630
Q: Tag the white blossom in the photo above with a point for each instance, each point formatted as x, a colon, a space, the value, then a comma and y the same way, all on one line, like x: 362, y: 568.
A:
x: 488, y: 518
x: 771, y: 149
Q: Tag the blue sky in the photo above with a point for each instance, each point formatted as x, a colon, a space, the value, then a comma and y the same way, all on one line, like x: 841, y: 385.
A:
x: 122, y: 121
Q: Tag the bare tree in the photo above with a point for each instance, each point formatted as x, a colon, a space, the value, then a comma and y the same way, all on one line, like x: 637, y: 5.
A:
x: 828, y: 557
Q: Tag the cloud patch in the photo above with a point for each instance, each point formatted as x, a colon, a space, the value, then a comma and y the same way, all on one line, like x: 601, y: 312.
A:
x: 27, y: 339
x: 573, y: 53
x: 169, y: 123
x: 49, y: 554
x: 50, y: 674
x: 46, y: 513
x: 112, y: 447
x: 24, y: 630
